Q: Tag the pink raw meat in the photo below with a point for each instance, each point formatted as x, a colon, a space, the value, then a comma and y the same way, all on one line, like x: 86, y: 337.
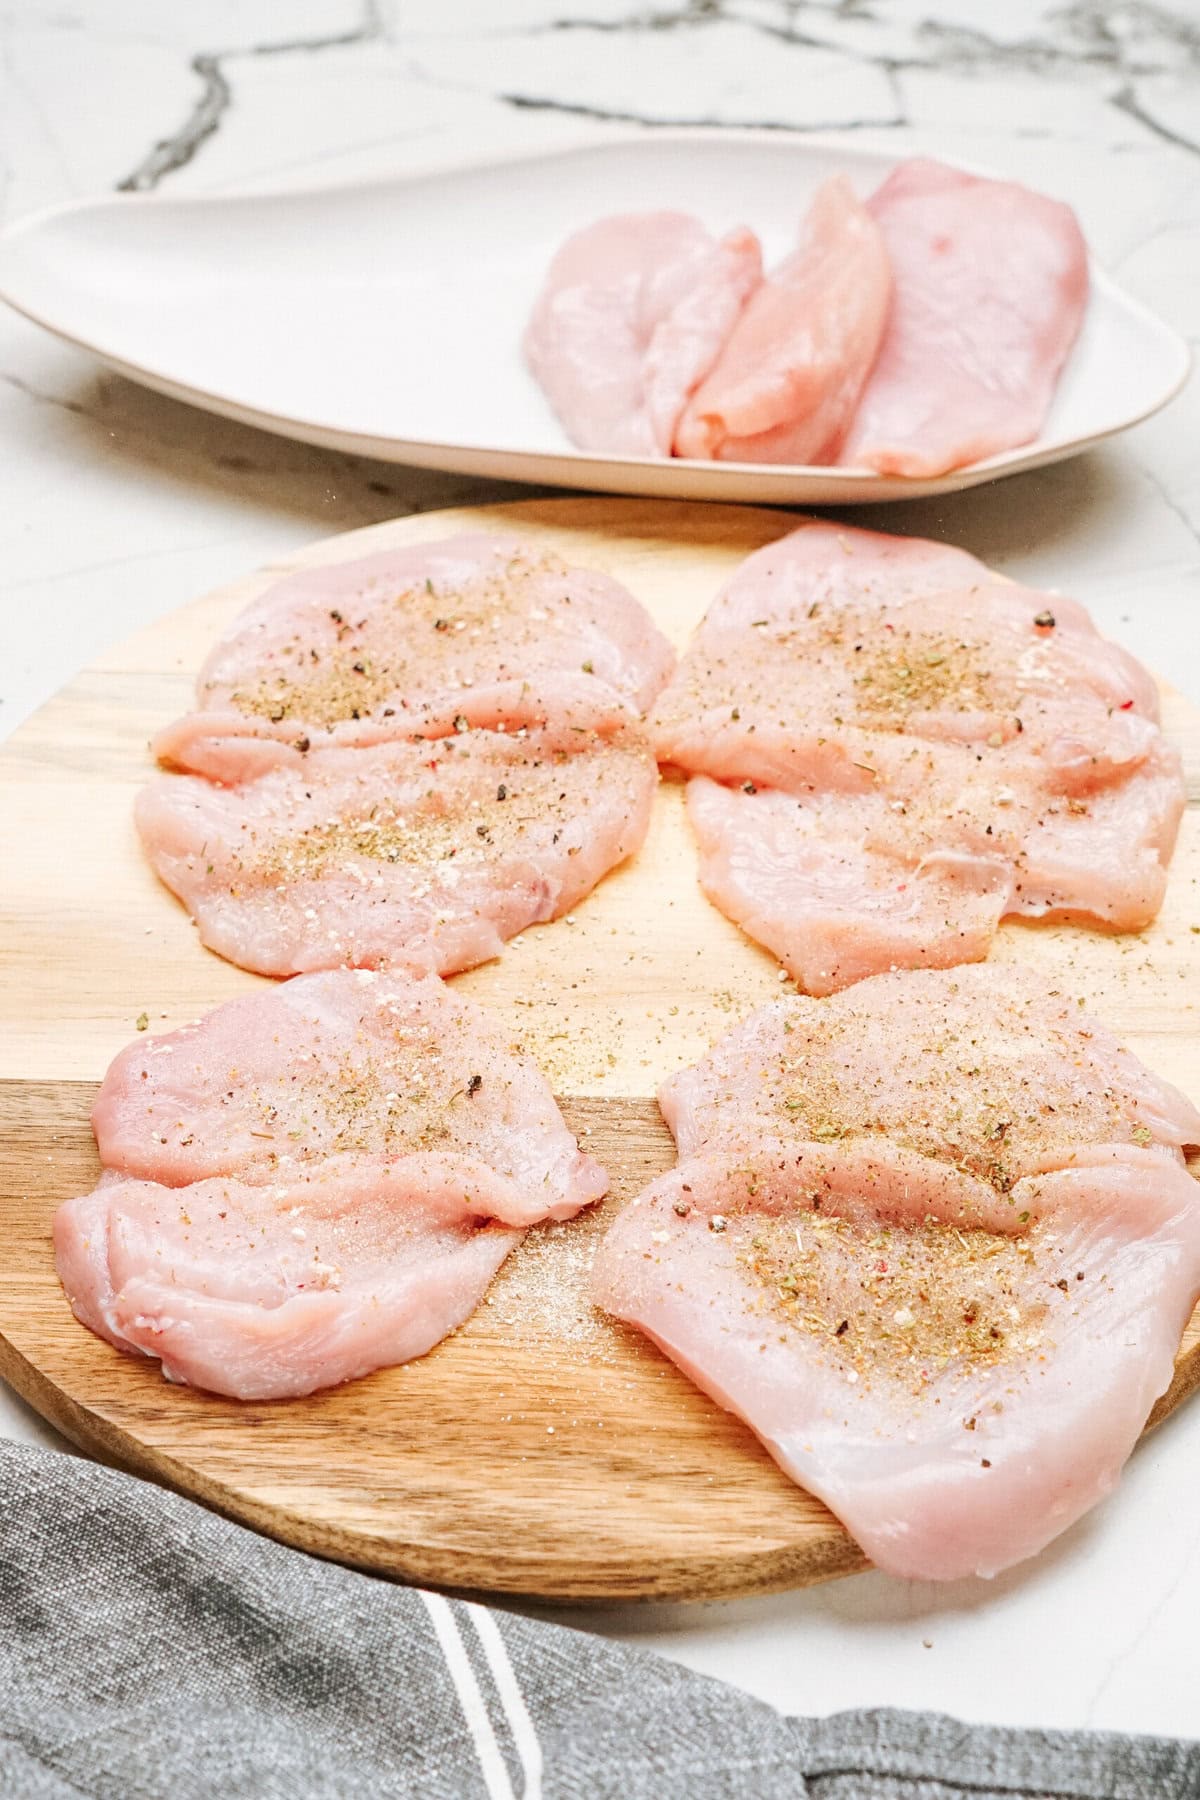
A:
x: 983, y: 1066
x: 787, y: 381
x: 917, y: 871
x: 934, y: 1241
x: 913, y: 749
x: 990, y: 288
x: 422, y: 856
x: 814, y: 656
x: 824, y: 564
x: 800, y: 879
x: 266, y: 1293
x: 632, y: 315
x: 312, y: 1182
x: 419, y: 642
x: 343, y: 1065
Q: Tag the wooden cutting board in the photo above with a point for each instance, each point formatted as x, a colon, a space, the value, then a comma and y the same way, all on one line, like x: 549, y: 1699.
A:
x: 541, y: 1450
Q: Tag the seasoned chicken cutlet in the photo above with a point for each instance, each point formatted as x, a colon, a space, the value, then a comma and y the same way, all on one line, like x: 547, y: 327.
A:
x: 312, y: 1182
x: 934, y: 1241
x: 425, y: 856
x: 892, y: 749
x: 419, y: 642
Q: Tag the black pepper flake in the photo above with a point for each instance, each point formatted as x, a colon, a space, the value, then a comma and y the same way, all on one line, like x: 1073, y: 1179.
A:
x: 475, y: 1083
x: 1045, y: 619
x: 303, y: 744
x: 502, y: 792
x: 748, y: 787
x: 842, y: 1329
x: 441, y: 624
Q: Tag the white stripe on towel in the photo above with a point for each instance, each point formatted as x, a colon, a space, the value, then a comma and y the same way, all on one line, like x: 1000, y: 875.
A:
x: 524, y: 1733
x: 495, y: 1775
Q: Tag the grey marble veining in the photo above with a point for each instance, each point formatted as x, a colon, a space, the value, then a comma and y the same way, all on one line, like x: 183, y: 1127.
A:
x: 865, y: 51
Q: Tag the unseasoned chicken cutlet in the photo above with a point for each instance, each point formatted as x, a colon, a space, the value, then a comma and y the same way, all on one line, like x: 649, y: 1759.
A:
x: 312, y: 1182
x: 422, y: 856
x: 418, y: 643
x: 632, y: 315
x: 990, y: 286
x: 912, y: 749
x: 789, y: 375
x: 934, y: 1241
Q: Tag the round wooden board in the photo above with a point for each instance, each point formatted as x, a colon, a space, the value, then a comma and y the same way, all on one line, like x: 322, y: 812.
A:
x: 542, y: 1450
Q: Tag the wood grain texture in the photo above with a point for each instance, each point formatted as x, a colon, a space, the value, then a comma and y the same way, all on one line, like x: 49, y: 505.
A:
x: 542, y: 1450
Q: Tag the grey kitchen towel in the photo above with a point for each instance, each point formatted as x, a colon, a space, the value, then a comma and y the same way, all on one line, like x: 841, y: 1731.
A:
x: 149, y: 1649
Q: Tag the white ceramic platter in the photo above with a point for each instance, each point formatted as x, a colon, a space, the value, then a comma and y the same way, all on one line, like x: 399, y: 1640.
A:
x: 386, y: 319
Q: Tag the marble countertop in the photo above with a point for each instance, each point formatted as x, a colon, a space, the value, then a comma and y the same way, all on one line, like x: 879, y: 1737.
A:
x: 120, y: 505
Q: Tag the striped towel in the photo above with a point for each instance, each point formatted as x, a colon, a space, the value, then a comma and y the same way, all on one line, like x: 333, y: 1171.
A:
x: 152, y: 1651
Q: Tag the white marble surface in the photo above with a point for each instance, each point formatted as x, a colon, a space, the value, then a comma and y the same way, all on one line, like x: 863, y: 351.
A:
x: 118, y: 505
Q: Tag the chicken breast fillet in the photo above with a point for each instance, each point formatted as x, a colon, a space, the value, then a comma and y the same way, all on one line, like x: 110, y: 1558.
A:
x: 633, y: 313
x: 892, y: 749
x: 933, y: 1240
x: 419, y: 642
x: 312, y: 1182
x: 789, y: 376
x: 990, y: 285
x: 425, y: 856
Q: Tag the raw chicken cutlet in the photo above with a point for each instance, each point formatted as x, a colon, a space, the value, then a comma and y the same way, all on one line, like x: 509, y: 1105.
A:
x: 833, y: 638
x: 631, y: 317
x: 934, y: 1241
x: 979, y: 1067
x: 423, y: 856
x: 919, y: 870
x: 267, y: 1293
x: 789, y: 376
x: 418, y: 642
x: 343, y: 1065
x: 913, y: 749
x: 312, y: 1182
x: 820, y: 563
x: 990, y: 285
